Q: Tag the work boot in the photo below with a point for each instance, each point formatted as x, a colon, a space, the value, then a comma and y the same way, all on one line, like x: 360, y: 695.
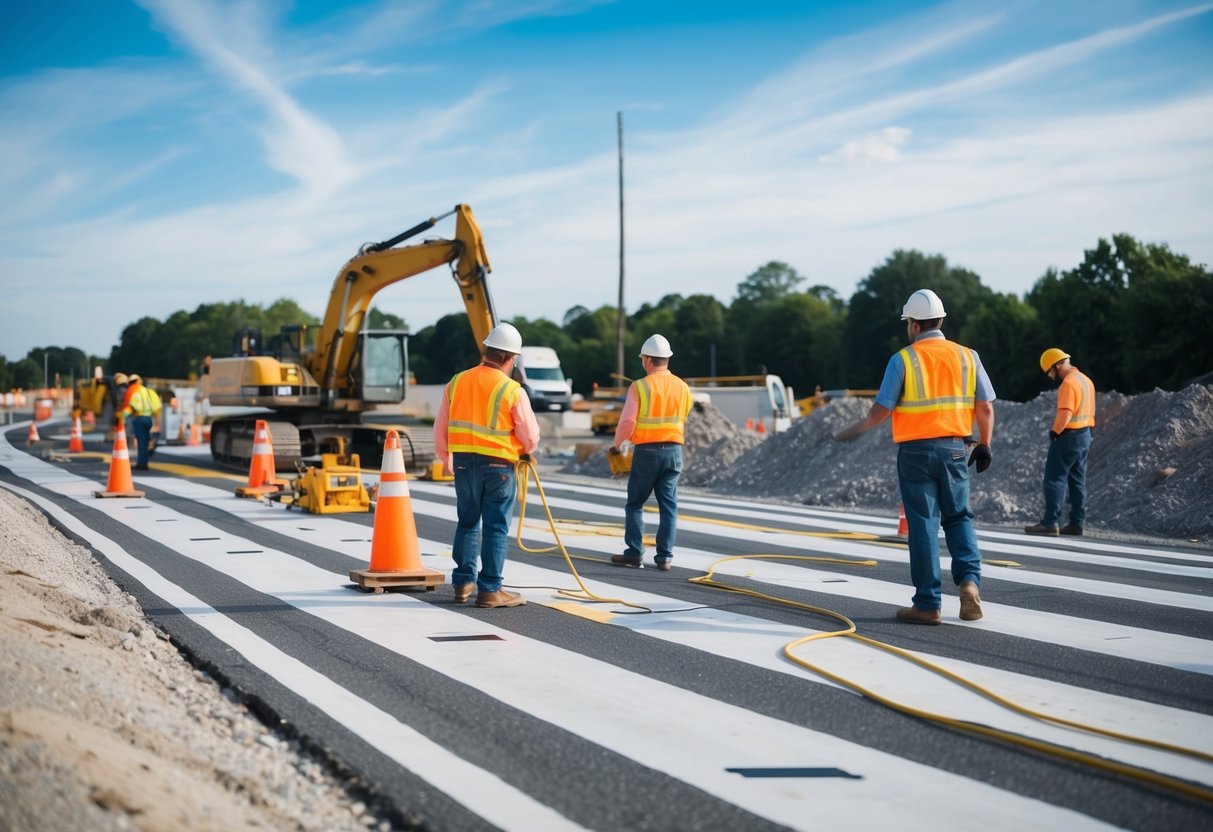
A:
x: 626, y: 560
x: 1041, y: 529
x: 663, y: 565
x: 462, y: 592
x: 913, y: 615
x: 970, y: 602
x: 1071, y: 529
x: 500, y: 598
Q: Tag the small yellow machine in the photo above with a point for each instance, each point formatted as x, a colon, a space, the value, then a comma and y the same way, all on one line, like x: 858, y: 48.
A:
x: 335, y: 487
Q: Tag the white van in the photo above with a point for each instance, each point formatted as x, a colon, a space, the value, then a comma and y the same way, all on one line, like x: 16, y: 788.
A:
x: 538, y: 371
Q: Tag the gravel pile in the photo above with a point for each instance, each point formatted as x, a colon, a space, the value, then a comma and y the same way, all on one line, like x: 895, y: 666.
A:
x: 105, y: 726
x: 1150, y: 471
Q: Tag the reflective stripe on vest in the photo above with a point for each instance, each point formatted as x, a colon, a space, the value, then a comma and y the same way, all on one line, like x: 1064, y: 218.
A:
x: 1084, y: 413
x: 664, y: 401
x: 480, y: 401
x: 939, y: 392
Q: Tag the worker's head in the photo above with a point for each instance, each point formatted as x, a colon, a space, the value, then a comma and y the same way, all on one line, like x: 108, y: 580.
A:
x: 1053, y: 360
x: 923, y: 312
x: 503, y: 344
x: 136, y: 378
x: 121, y: 378
x: 657, y: 350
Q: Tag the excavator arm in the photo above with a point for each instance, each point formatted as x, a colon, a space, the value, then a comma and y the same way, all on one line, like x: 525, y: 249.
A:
x: 378, y: 265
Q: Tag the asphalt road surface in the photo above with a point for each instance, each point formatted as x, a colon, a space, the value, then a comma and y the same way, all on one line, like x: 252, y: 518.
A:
x: 681, y: 709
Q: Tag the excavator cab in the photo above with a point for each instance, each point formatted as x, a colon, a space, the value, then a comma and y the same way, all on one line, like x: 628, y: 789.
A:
x: 379, y: 369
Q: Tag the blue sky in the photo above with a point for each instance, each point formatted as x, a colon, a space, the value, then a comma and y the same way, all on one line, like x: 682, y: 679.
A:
x: 161, y: 154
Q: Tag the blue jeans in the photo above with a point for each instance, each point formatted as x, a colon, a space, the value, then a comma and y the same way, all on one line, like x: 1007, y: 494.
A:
x: 934, y: 478
x: 141, y: 426
x: 1066, y: 466
x: 656, y: 467
x: 485, y: 488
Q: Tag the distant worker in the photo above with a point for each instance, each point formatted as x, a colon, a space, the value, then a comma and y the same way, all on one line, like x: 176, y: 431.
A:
x: 654, y: 413
x: 142, y: 407
x: 933, y: 389
x: 1070, y: 435
x: 485, y: 425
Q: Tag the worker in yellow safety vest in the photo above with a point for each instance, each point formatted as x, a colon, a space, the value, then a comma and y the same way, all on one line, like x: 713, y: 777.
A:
x: 654, y: 412
x: 141, y: 407
x: 485, y: 425
x: 1070, y: 435
x: 934, y: 389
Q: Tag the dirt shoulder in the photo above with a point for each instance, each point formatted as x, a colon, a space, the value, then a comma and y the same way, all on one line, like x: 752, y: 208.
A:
x: 105, y: 726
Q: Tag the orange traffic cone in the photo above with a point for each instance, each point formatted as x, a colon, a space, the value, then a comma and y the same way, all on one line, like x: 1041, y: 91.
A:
x: 33, y: 434
x: 749, y: 424
x: 75, y: 443
x: 89, y: 418
x: 902, y: 529
x: 760, y: 427
x: 195, y: 436
x: 262, y: 476
x: 395, y: 551
x: 120, y: 483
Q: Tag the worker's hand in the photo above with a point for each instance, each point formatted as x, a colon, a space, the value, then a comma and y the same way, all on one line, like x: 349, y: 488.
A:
x: 849, y: 433
x: 613, y: 451
x: 1053, y: 435
x: 981, y: 457
x: 526, y: 458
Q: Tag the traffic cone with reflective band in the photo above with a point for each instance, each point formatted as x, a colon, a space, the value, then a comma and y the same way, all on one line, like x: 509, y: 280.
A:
x: 395, y: 550
x: 75, y: 443
x: 120, y: 482
x: 903, y: 530
x: 262, y: 476
x: 33, y: 434
x: 195, y: 436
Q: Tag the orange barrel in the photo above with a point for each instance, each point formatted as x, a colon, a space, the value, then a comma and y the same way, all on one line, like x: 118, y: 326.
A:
x: 42, y: 409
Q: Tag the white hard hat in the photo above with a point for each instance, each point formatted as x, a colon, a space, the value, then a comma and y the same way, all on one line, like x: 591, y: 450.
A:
x: 656, y: 347
x: 505, y: 337
x: 923, y: 305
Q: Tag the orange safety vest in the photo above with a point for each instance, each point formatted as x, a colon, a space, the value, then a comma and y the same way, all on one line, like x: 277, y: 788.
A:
x: 1077, y: 395
x: 480, y: 402
x: 665, y: 401
x: 939, y: 392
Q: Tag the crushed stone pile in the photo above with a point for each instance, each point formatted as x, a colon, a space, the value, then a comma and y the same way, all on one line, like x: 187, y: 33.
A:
x: 1150, y: 470
x: 711, y: 442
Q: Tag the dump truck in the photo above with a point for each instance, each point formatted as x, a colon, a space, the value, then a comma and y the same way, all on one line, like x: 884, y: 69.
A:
x: 319, y: 396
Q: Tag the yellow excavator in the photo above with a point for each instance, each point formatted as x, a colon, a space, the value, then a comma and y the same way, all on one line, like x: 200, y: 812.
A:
x: 319, y: 396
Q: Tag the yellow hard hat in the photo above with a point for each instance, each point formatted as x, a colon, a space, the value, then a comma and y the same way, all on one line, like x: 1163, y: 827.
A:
x: 120, y: 378
x: 1050, y: 357
x: 136, y: 377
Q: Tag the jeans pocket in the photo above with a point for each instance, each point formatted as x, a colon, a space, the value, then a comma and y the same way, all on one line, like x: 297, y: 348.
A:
x: 914, y: 464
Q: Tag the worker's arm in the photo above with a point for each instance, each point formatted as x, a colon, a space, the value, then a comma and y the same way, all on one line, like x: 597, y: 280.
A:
x: 627, y: 419
x: 526, y: 426
x: 983, y: 414
x: 1060, y: 421
x: 876, y: 414
x: 441, y: 423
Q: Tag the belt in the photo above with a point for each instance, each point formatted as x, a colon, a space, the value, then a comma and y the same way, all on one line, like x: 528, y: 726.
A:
x: 1077, y: 430
x: 937, y: 440
x: 659, y: 445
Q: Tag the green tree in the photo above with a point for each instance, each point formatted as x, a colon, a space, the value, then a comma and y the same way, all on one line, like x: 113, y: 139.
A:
x: 377, y: 319
x: 1006, y: 334
x: 442, y: 349
x: 769, y: 283
x: 698, y: 335
x: 874, y: 330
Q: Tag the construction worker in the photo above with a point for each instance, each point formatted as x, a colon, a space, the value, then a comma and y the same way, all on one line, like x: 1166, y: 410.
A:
x: 485, y: 425
x: 1070, y: 435
x: 142, y: 408
x: 654, y: 412
x: 933, y: 389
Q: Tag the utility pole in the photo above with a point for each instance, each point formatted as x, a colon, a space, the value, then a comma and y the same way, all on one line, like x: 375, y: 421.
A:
x: 620, y: 317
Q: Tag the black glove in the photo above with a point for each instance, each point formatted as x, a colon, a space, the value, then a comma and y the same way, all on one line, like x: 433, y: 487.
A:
x: 526, y: 458
x: 1053, y: 435
x: 613, y: 451
x: 981, y: 457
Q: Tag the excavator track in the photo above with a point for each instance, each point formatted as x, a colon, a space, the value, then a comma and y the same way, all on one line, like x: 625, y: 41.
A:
x: 232, y: 443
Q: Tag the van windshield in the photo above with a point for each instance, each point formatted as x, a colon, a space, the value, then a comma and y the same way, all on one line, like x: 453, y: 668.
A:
x: 544, y: 373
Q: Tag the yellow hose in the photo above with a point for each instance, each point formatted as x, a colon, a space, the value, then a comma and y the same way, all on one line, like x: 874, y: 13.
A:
x: 1072, y: 755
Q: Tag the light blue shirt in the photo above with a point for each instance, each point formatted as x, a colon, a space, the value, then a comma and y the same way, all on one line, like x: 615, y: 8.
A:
x: 895, y: 378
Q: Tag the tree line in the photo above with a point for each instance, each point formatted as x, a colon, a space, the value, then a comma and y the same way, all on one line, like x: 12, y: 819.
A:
x: 1131, y: 314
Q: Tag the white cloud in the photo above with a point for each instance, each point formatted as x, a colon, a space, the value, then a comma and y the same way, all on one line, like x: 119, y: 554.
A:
x: 882, y: 146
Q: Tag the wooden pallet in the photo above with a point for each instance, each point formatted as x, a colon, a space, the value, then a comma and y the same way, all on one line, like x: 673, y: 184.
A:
x: 377, y: 582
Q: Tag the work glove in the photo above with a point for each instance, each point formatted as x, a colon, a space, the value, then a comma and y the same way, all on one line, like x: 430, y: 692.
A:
x: 1053, y: 435
x: 981, y: 457
x: 613, y: 451
x: 526, y: 458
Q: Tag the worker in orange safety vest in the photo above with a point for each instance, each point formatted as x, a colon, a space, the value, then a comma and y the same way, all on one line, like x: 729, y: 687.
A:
x: 1070, y: 435
x: 654, y: 412
x: 934, y: 389
x: 485, y: 426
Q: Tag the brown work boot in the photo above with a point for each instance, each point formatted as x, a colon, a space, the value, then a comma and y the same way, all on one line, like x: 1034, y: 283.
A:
x: 970, y: 602
x: 1041, y: 529
x: 624, y: 560
x: 664, y: 565
x: 914, y: 615
x: 500, y: 598
x: 462, y: 592
x: 1072, y: 530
